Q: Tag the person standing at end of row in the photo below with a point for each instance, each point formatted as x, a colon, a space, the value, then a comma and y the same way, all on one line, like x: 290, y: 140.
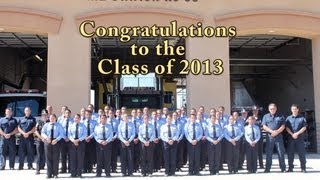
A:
x: 296, y: 126
x: 252, y: 136
x: 52, y: 133
x: 8, y: 129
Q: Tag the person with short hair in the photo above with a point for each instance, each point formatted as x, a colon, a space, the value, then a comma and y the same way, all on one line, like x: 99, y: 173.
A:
x: 41, y: 159
x: 296, y: 126
x: 146, y: 136
x: 193, y: 133
x: 126, y: 134
x: 8, y: 129
x: 252, y: 137
x: 52, y: 133
x: 26, y: 127
x: 233, y: 134
x: 77, y: 134
x: 274, y: 124
x: 103, y: 135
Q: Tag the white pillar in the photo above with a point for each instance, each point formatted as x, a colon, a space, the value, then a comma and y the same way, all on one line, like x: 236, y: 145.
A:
x: 316, y: 80
x: 210, y: 91
x: 69, y: 68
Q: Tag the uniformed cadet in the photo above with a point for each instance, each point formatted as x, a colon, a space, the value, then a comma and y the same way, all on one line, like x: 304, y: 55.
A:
x: 214, y: 134
x: 193, y: 133
x: 258, y: 122
x: 2, y: 161
x: 165, y: 113
x: 223, y: 142
x: 26, y: 128
x: 139, y: 114
x: 180, y: 143
x: 90, y: 143
x: 63, y: 110
x: 146, y: 136
x: 233, y: 134
x: 242, y: 121
x: 77, y: 134
x: 145, y: 111
x: 212, y: 113
x: 183, y: 143
x: 274, y: 124
x: 82, y: 115
x: 8, y: 129
x: 203, y: 142
x: 252, y: 136
x: 103, y: 134
x: 106, y: 110
x: 65, y: 144
x: 169, y: 134
x: 126, y: 134
x: 137, y: 144
x: 202, y: 111
x: 41, y: 159
x: 49, y: 110
x: 296, y: 126
x: 52, y: 133
x: 123, y: 110
x: 94, y: 115
x: 157, y: 153
x: 100, y: 113
x: 115, y: 141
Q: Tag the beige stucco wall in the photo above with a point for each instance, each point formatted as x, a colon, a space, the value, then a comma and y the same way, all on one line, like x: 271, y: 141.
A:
x: 69, y: 53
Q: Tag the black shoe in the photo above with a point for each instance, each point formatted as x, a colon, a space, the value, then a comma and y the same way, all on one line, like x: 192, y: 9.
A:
x: 48, y: 177
x: 123, y: 175
x: 249, y: 172
x: 304, y: 170
x: 108, y: 175
x: 290, y: 170
x: 31, y: 168
x: 197, y: 174
x: 37, y: 172
x: 130, y: 174
x: 20, y: 168
x: 3, y: 168
x: 150, y: 175
x: 166, y: 175
x: 55, y: 177
x: 283, y: 170
x: 266, y: 171
x: 240, y: 168
x: 63, y: 171
x: 261, y: 167
x: 230, y: 172
x: 189, y: 174
x: 114, y: 171
x: 98, y: 175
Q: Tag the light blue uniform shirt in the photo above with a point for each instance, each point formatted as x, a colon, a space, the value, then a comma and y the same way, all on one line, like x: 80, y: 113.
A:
x: 92, y: 125
x: 164, y: 132
x: 188, y: 131
x: 157, y: 126
x: 82, y: 131
x: 249, y: 134
x: 209, y: 132
x: 136, y: 122
x: 58, y: 133
x: 180, y: 126
x: 122, y: 132
x: 142, y: 133
x: 114, y: 123
x: 63, y: 123
x: 98, y: 133
x: 228, y: 132
x: 203, y: 125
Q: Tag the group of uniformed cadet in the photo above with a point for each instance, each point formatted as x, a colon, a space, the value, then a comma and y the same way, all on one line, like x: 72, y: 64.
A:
x: 148, y: 142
